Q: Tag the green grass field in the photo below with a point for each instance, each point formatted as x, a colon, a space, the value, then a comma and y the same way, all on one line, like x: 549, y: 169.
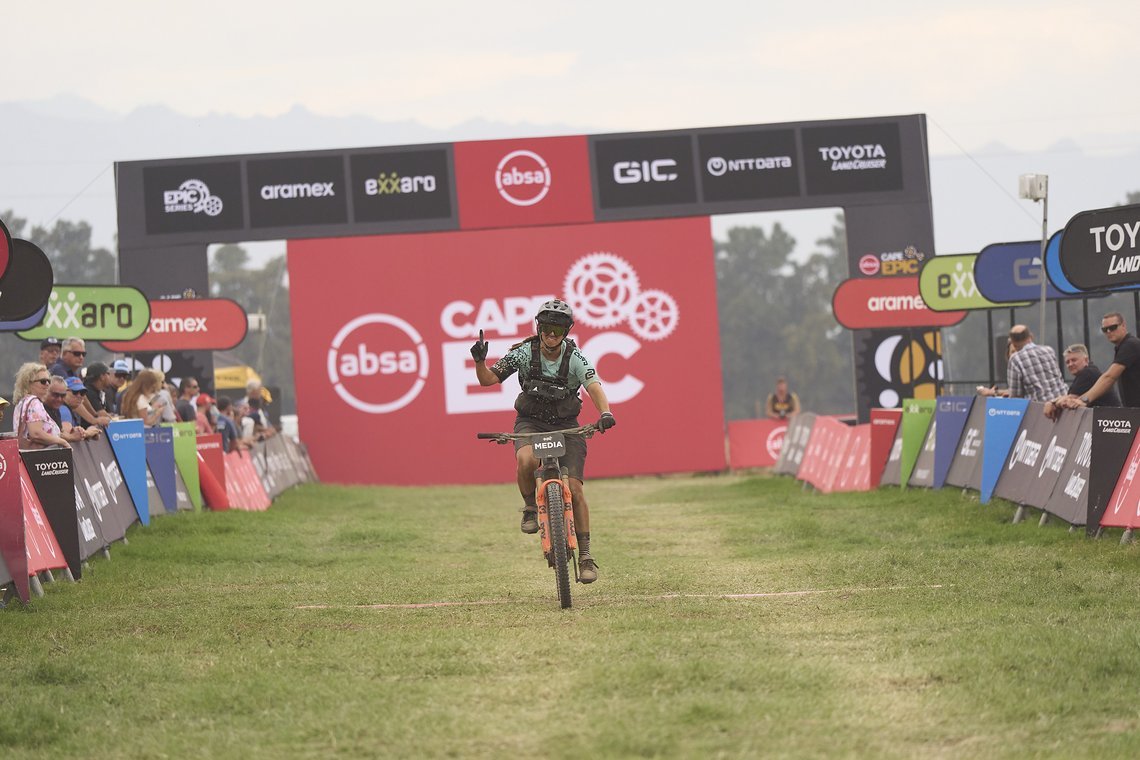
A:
x: 890, y: 624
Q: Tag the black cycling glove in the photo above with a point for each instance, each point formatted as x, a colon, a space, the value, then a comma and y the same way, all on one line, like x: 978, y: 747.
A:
x: 479, y: 350
x: 606, y: 421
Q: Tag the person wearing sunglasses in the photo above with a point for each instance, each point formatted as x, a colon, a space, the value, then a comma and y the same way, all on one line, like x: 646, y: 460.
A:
x: 57, y: 405
x: 1125, y: 366
x: 551, y: 372
x: 34, y: 427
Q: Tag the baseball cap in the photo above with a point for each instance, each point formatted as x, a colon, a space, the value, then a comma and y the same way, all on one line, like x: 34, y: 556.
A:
x: 121, y: 367
x: 76, y: 385
x: 95, y: 370
x: 204, y: 399
x: 49, y: 342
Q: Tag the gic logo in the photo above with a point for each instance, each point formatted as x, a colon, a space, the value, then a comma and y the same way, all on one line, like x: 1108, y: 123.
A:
x: 522, y: 178
x: 192, y: 195
x: 632, y: 172
x: 378, y: 363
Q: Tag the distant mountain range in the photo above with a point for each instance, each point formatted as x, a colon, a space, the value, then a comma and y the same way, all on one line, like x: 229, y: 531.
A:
x: 57, y: 157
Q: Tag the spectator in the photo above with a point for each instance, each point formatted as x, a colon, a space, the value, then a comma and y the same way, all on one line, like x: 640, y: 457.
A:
x: 1085, y: 374
x: 55, y: 404
x: 231, y: 438
x: 76, y: 395
x: 120, y: 376
x: 205, y: 415
x: 34, y: 428
x: 1125, y: 365
x: 71, y: 356
x: 1033, y: 370
x: 49, y: 351
x: 3, y: 408
x: 256, y: 393
x: 166, y: 391
x: 781, y: 404
x: 99, y: 383
x: 143, y: 399
x: 241, y: 417
x: 187, y: 390
x: 261, y: 428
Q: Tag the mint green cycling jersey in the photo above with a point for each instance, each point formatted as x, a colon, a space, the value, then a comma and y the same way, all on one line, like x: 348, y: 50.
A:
x: 581, y: 374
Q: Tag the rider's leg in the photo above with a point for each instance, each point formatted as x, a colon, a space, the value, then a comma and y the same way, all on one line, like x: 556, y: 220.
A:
x: 526, y: 465
x: 587, y: 567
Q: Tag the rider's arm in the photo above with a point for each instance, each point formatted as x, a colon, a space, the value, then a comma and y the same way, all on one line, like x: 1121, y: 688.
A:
x: 485, y: 375
x: 598, y: 396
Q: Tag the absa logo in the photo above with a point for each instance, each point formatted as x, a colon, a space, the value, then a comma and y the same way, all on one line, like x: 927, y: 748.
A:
x: 522, y: 178
x: 378, y: 363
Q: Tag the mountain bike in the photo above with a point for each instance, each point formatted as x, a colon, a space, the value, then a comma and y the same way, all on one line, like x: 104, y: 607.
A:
x: 555, y: 504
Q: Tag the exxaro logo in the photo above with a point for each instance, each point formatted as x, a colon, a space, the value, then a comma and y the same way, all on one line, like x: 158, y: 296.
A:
x: 632, y: 172
x: 378, y: 363
x: 522, y: 178
x: 718, y: 166
x: 393, y: 184
x: 192, y: 196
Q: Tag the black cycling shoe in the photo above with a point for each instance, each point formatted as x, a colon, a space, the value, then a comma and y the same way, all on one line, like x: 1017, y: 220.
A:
x: 529, y: 520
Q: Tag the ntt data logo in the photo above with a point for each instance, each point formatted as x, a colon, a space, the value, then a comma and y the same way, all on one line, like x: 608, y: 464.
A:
x: 378, y: 363
x: 522, y: 178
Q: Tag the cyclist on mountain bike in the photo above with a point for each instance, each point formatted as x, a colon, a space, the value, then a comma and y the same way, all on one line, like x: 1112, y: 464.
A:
x: 551, y: 371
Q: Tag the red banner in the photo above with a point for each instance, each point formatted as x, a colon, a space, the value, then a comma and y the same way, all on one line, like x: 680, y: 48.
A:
x: 191, y: 324
x: 386, y: 388
x: 12, y: 546
x: 39, y: 541
x: 884, y: 426
x: 242, y: 484
x: 212, y: 455
x: 869, y: 303
x: 512, y: 183
x: 1123, y: 510
x: 755, y: 443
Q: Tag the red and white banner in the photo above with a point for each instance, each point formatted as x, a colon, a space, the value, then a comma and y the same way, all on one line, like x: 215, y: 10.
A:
x: 383, y: 326
x: 884, y: 426
x: 243, y: 487
x: 190, y: 324
x: 755, y: 443
x: 42, y: 549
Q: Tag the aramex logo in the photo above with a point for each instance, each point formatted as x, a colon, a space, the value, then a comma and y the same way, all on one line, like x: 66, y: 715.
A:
x: 298, y: 190
x: 353, y: 361
x: 522, y: 178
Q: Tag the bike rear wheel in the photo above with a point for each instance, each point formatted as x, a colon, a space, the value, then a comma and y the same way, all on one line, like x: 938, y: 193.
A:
x: 556, y: 510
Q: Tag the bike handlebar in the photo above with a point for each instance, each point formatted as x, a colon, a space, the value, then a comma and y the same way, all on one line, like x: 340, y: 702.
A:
x: 584, y: 430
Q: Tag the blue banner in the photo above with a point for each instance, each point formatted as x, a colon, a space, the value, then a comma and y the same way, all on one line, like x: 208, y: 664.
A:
x: 160, y: 457
x: 126, y: 437
x: 1057, y: 277
x: 1003, y: 419
x: 949, y: 420
x: 1011, y: 273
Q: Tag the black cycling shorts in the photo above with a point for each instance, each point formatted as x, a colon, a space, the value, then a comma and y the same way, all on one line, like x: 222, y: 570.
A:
x: 575, y: 459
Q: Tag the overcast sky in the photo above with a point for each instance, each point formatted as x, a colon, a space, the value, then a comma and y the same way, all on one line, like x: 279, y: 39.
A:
x: 1022, y: 73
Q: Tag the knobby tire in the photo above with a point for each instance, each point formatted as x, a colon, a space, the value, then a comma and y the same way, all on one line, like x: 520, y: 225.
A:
x: 556, y: 510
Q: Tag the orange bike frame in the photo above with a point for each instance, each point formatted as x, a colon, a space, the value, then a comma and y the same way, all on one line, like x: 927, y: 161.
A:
x: 544, y: 513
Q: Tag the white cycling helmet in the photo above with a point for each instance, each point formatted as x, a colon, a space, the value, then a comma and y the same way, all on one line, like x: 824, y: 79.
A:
x: 555, y: 312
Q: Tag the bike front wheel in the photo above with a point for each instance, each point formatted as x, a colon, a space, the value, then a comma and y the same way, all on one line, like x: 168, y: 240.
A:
x: 556, y: 511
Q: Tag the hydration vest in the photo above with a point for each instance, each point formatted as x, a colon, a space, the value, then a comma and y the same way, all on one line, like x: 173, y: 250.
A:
x: 548, y: 398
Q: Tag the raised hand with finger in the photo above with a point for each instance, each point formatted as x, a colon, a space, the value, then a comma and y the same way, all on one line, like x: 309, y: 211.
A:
x: 479, y: 350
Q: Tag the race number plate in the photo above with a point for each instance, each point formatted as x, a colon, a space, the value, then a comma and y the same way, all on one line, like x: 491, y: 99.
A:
x: 549, y: 445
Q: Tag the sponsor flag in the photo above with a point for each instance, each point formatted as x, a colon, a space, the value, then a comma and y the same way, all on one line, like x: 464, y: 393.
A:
x: 965, y: 469
x: 1113, y: 432
x: 1070, y: 496
x: 160, y: 460
x: 129, y: 446
x: 12, y: 539
x: 186, y: 459
x: 39, y: 541
x: 949, y: 419
x: 1003, y: 421
x: 53, y: 476
x: 917, y: 414
x: 795, y: 442
x: 884, y: 428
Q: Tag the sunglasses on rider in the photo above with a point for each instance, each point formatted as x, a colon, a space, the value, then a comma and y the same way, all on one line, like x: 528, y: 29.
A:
x: 1109, y: 328
x: 556, y: 330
